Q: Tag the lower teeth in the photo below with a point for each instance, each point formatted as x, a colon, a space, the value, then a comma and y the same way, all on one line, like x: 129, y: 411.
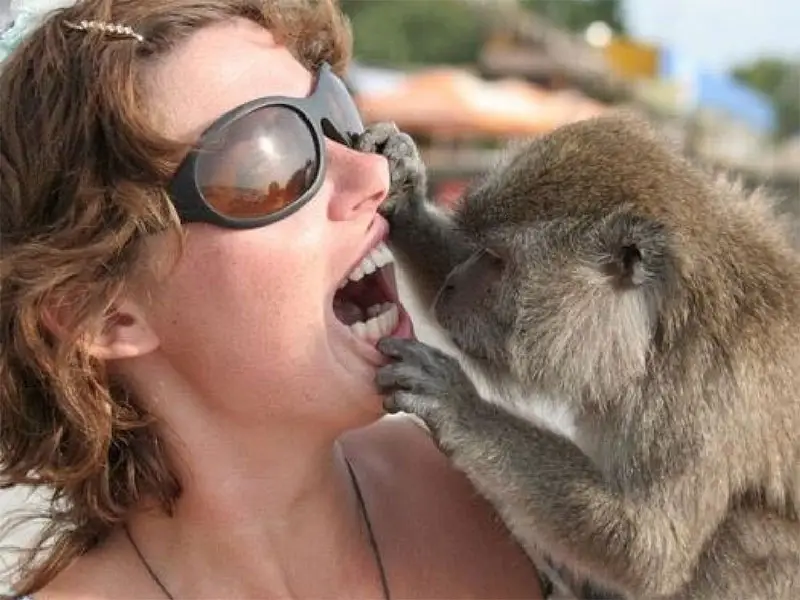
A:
x: 382, y: 320
x: 376, y: 309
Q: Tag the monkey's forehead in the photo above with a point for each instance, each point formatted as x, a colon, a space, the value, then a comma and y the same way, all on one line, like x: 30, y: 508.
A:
x: 585, y: 172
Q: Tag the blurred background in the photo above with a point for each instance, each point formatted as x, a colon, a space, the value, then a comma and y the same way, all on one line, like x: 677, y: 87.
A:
x: 465, y: 77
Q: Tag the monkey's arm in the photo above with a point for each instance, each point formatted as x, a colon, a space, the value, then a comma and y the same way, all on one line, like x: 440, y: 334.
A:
x: 645, y: 542
x: 424, y: 237
x: 427, y: 244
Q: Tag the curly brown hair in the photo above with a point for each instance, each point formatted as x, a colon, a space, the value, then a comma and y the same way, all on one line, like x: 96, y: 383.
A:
x: 82, y: 184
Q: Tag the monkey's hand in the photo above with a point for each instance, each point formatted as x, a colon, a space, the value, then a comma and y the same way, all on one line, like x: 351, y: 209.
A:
x: 643, y: 544
x: 424, y: 239
x: 408, y: 182
x: 428, y: 383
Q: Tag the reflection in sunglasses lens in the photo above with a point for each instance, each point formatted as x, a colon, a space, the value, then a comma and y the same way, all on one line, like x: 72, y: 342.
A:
x: 267, y: 160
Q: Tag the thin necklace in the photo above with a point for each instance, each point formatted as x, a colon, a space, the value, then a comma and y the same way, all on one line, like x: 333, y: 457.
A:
x: 376, y: 552
x: 146, y: 565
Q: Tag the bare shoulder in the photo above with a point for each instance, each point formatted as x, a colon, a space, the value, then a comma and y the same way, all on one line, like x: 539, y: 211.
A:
x: 439, y: 538
x: 105, y: 572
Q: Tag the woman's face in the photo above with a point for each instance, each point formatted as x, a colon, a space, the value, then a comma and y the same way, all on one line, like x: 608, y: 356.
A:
x: 246, y: 318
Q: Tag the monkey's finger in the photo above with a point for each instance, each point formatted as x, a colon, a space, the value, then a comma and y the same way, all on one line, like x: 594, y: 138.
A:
x: 375, y: 137
x: 390, y: 404
x: 407, y: 376
x: 393, y: 347
x: 387, y: 208
x: 408, y: 173
x: 427, y: 358
x: 404, y: 402
x: 400, y: 145
x: 396, y: 376
x: 399, y: 149
x: 410, y: 378
x: 408, y: 351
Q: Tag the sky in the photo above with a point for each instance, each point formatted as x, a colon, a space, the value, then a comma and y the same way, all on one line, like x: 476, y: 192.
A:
x: 718, y: 33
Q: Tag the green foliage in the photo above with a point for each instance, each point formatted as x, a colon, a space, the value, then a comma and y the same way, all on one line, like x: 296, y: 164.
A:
x: 780, y: 81
x: 577, y: 15
x: 408, y: 32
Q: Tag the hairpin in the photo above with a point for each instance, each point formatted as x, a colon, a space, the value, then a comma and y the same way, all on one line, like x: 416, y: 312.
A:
x: 109, y: 28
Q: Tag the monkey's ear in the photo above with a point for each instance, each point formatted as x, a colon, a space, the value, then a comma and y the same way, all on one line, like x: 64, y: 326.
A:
x: 633, y: 250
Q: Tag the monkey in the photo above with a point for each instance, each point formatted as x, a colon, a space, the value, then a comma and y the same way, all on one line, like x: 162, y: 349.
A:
x: 599, y: 272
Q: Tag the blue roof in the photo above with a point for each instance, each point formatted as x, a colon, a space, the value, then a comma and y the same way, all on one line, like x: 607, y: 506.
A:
x: 720, y: 91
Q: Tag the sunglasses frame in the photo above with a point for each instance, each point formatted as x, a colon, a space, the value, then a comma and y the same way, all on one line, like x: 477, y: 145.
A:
x: 186, y: 194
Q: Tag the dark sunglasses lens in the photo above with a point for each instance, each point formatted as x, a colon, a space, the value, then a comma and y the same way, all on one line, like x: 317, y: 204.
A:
x: 259, y: 164
x: 343, y: 115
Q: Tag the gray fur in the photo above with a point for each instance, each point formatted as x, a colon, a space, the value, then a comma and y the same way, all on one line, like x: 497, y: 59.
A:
x: 599, y: 272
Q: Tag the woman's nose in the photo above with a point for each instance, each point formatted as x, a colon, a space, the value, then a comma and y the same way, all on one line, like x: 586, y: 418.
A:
x: 360, y: 180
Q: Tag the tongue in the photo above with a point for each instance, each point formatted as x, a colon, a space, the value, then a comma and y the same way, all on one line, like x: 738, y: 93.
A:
x: 347, y: 312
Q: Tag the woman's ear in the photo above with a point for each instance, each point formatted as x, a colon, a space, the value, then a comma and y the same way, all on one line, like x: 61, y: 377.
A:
x: 124, y: 333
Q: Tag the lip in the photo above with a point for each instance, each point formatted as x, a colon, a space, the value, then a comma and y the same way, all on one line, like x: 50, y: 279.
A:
x: 377, y: 232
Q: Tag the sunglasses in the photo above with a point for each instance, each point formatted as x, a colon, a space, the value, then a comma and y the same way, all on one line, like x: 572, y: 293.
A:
x: 263, y: 160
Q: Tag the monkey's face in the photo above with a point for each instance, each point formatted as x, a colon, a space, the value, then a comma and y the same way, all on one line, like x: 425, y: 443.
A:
x: 576, y: 265
x: 476, y: 305
x: 568, y: 305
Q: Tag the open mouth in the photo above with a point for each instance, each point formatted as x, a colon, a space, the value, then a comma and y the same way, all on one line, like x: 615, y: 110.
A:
x: 367, y: 300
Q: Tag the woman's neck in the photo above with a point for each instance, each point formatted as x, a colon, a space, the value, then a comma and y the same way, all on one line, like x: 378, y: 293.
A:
x: 259, y: 508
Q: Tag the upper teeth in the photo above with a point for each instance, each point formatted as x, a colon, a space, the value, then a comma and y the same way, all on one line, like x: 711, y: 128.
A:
x: 378, y: 257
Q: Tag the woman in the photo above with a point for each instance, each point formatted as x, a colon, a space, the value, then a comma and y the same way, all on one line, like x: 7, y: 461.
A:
x: 193, y: 280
